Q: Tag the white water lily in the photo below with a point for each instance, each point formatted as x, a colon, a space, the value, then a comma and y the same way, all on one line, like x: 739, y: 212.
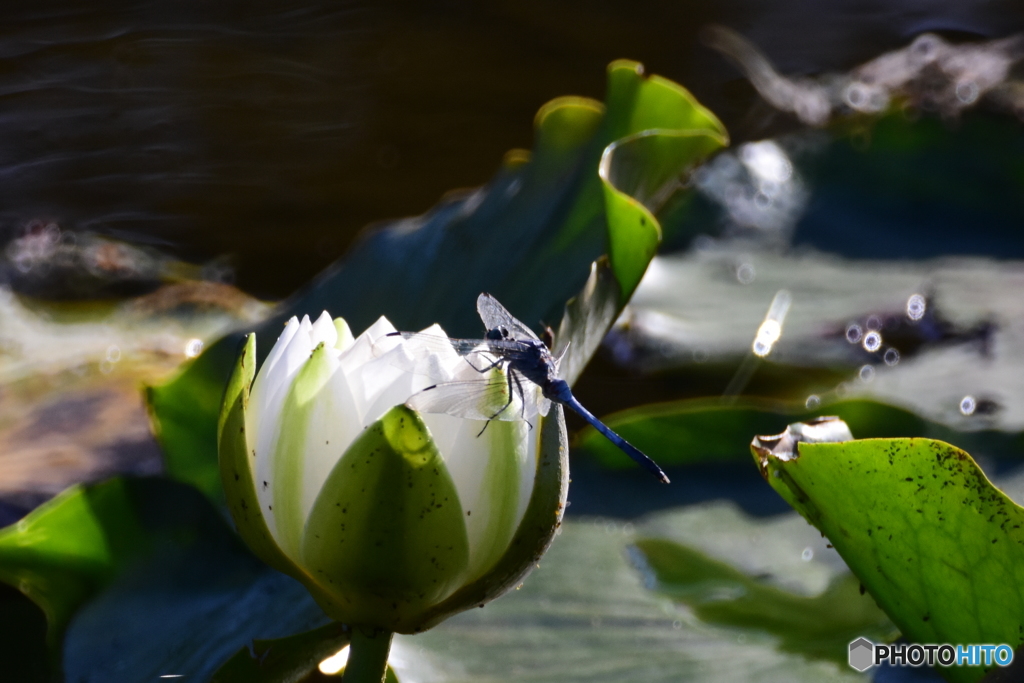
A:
x: 390, y: 518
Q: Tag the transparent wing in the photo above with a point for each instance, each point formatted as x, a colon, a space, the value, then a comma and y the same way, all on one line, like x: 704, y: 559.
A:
x: 430, y: 355
x: 486, y: 350
x: 488, y: 398
x: 494, y: 315
x: 438, y: 344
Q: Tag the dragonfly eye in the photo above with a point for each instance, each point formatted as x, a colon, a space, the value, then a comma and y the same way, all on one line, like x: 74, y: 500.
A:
x: 497, y: 333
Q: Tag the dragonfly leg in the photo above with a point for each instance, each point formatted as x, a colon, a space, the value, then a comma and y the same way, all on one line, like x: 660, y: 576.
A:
x: 493, y: 365
x: 519, y: 387
x: 510, y: 377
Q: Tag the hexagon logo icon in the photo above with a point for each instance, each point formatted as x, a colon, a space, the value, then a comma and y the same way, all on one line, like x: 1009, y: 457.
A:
x: 862, y: 654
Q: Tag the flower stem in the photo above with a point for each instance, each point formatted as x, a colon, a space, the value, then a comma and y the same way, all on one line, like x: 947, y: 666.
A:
x: 368, y: 656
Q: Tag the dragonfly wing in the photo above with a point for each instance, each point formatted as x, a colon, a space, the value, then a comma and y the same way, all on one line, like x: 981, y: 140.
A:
x: 420, y: 352
x: 440, y: 344
x: 478, y: 348
x: 484, y: 399
x: 494, y: 315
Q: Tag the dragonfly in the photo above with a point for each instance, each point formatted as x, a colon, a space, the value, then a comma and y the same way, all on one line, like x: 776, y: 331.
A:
x: 527, y: 363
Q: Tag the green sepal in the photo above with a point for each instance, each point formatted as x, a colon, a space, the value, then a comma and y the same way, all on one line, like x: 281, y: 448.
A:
x: 537, y: 529
x: 236, y: 465
x: 385, y: 538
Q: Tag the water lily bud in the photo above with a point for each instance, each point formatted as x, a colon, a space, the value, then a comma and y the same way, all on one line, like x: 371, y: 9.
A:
x: 392, y: 519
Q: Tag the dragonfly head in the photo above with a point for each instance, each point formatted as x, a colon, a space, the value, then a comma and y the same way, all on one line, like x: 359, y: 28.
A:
x: 498, y: 333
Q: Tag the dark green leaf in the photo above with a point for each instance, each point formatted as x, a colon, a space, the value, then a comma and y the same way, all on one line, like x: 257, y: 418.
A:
x: 530, y: 235
x: 68, y: 549
x: 143, y: 578
x: 184, y: 414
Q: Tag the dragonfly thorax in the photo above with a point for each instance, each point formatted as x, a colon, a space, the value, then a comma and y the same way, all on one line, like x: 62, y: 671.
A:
x: 533, y: 361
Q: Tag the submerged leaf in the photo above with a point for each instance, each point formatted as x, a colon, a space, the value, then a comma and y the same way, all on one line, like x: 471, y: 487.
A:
x: 287, y: 659
x: 821, y: 626
x: 587, y: 615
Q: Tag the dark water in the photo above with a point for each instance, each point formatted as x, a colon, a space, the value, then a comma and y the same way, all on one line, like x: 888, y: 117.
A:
x: 273, y: 132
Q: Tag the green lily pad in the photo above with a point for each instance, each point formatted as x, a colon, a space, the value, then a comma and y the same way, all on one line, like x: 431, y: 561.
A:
x: 70, y: 547
x: 586, y: 319
x: 140, y: 578
x: 530, y: 237
x: 178, y: 412
x: 194, y: 601
x: 938, y: 546
x: 682, y: 432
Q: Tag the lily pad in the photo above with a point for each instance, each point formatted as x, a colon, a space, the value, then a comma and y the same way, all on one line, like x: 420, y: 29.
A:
x: 688, y: 431
x: 530, y: 237
x: 937, y: 545
x: 154, y: 558
x: 192, y: 602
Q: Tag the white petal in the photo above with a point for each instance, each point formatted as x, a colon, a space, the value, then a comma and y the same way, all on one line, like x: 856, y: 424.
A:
x: 370, y: 344
x: 493, y: 474
x: 386, y: 382
x: 384, y: 370
x: 445, y: 430
x: 276, y: 380
x: 333, y: 425
x: 263, y: 416
x: 290, y: 328
x: 324, y: 331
